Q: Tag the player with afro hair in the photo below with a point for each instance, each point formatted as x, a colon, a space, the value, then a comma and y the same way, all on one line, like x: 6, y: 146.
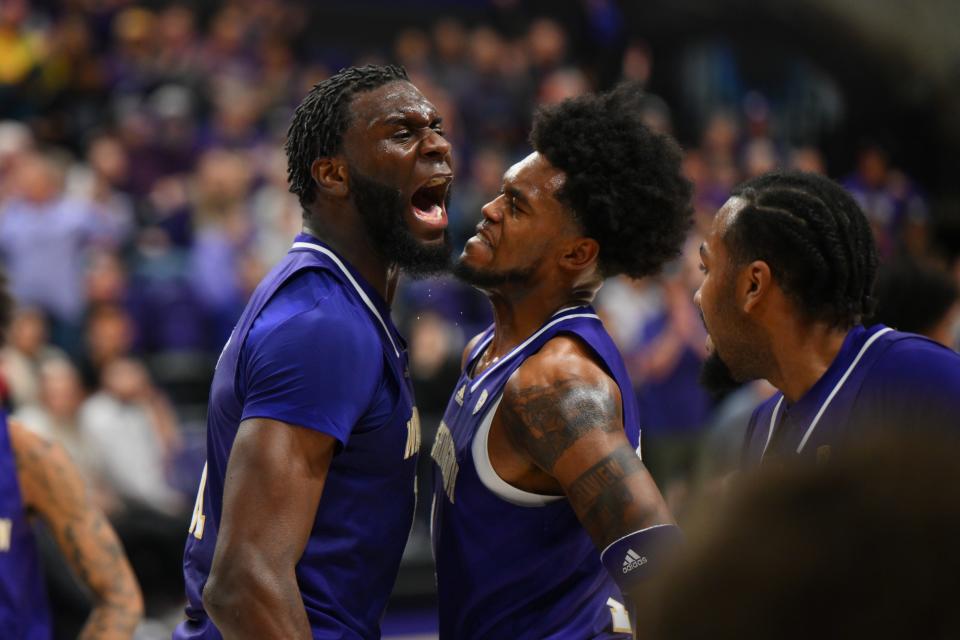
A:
x: 537, y: 463
x: 623, y: 181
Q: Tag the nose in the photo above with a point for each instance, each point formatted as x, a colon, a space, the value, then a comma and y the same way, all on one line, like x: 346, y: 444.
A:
x: 491, y: 210
x: 436, y: 147
x: 696, y: 298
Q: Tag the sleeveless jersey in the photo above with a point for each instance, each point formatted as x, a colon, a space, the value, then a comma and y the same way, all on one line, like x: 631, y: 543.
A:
x: 880, y: 379
x: 513, y: 564
x: 316, y: 347
x: 24, y: 612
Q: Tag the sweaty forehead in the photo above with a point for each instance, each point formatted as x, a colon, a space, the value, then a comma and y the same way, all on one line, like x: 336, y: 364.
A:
x: 535, y: 177
x: 399, y: 98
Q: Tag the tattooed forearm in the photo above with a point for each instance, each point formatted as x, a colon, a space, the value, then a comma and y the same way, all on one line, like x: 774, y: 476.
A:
x: 545, y: 421
x: 53, y: 489
x: 605, y: 474
x: 602, y: 498
x: 109, y: 622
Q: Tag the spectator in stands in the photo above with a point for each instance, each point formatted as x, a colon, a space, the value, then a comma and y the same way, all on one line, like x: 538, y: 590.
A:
x: 895, y: 207
x: 918, y: 297
x: 134, y: 430
x: 23, y: 354
x: 55, y: 413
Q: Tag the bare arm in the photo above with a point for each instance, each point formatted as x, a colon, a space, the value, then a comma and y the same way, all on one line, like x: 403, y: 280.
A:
x: 562, y: 414
x: 274, y: 480
x: 53, y: 488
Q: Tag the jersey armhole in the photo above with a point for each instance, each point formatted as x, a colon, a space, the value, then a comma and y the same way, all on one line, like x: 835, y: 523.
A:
x: 488, y: 475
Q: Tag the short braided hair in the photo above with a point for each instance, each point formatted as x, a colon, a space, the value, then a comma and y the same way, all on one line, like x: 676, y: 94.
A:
x: 815, y: 239
x: 623, y: 181
x: 318, y: 124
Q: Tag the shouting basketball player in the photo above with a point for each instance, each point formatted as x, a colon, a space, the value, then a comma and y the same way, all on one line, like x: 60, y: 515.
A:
x: 308, y: 494
x: 539, y: 482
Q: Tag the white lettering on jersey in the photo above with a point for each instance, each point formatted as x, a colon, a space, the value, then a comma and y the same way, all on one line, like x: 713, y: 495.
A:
x: 413, y: 435
x: 444, y: 453
x: 6, y: 528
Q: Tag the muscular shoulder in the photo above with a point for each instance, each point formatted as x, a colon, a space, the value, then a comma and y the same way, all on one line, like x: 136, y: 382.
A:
x: 557, y: 396
x: 918, y: 350
x: 36, y: 458
x: 312, y: 315
x: 913, y: 362
x: 914, y: 377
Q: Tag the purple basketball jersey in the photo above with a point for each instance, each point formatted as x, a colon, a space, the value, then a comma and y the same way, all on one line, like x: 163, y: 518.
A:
x: 24, y: 612
x: 512, y: 564
x: 315, y: 347
x: 880, y: 379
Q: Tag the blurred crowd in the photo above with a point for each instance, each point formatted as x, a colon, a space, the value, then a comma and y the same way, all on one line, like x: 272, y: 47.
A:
x: 143, y: 195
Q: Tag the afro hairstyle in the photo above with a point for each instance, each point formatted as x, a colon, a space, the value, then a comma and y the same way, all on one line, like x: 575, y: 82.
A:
x: 623, y: 182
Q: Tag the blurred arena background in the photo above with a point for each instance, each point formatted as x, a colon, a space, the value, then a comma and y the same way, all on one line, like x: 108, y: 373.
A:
x: 143, y: 194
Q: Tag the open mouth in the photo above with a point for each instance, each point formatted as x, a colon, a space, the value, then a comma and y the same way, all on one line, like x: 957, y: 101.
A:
x: 428, y: 202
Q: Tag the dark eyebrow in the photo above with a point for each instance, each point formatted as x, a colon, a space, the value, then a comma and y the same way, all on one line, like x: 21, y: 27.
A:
x: 516, y: 194
x: 409, y: 120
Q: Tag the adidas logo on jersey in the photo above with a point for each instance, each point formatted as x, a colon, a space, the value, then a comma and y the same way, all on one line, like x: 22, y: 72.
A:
x: 632, y: 561
x: 480, y: 402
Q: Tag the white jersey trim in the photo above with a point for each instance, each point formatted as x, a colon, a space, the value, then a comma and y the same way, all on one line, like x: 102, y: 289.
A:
x: 363, y: 294
x: 773, y: 424
x: 513, y: 353
x: 488, y: 475
x: 826, y: 403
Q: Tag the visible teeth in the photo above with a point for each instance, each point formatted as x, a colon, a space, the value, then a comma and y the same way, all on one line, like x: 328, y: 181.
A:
x: 433, y: 182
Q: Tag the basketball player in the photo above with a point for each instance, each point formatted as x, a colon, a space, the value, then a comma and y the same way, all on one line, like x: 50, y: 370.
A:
x: 789, y: 267
x: 539, y: 482
x: 37, y: 478
x: 308, y: 494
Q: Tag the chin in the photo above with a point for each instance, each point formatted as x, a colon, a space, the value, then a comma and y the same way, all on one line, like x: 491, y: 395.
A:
x: 434, y: 240
x: 717, y: 377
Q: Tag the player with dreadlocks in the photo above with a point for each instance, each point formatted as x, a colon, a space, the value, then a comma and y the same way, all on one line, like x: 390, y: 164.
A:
x: 789, y: 268
x: 307, y: 497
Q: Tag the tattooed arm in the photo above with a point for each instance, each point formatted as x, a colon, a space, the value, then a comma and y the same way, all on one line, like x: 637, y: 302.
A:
x: 560, y: 428
x: 53, y: 489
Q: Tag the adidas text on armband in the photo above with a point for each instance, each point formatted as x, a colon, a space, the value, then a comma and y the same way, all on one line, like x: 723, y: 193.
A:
x: 633, y: 560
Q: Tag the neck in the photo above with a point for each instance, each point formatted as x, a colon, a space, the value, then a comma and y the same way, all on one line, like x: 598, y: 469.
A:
x: 518, y: 314
x: 802, y: 355
x: 356, y: 249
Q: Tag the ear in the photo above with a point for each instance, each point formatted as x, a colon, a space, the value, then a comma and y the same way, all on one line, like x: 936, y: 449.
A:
x: 331, y: 177
x: 579, y: 254
x: 754, y: 286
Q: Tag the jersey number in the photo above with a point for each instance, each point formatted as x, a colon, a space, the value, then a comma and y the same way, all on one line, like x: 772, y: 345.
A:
x: 196, y: 522
x: 621, y: 621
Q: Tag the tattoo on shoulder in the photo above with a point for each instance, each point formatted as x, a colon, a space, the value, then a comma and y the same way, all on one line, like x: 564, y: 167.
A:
x: 547, y: 420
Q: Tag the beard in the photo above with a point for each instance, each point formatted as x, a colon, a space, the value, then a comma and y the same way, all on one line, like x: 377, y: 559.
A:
x: 716, y: 377
x: 491, y: 279
x: 382, y: 209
